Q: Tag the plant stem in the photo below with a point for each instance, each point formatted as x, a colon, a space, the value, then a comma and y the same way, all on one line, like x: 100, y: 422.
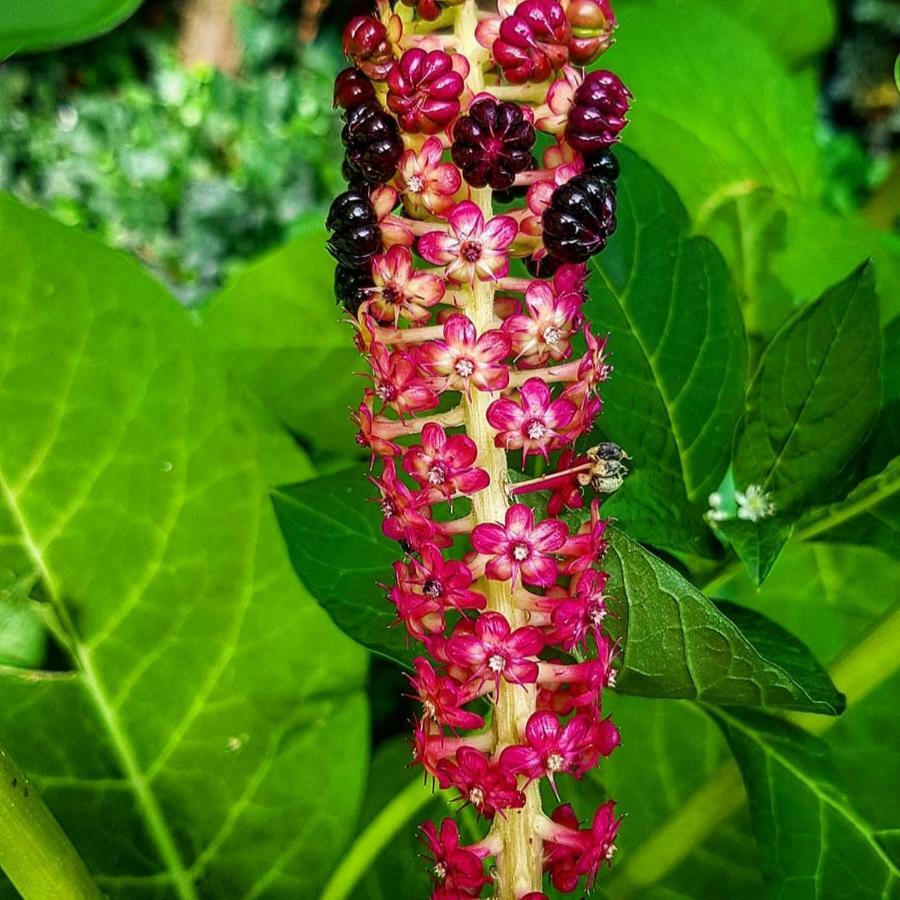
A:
x: 519, y: 865
x: 35, y: 853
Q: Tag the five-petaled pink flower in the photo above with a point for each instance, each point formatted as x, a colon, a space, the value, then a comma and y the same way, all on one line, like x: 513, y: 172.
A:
x: 426, y: 183
x: 471, y: 249
x: 400, y: 290
x: 519, y: 548
x: 484, y: 783
x: 442, y: 697
x: 456, y: 870
x: 537, y: 423
x: 463, y: 359
x: 446, y: 581
x: 495, y: 651
x: 574, y: 852
x: 553, y: 747
x: 546, y: 332
x: 444, y: 466
x: 398, y: 383
x: 574, y: 618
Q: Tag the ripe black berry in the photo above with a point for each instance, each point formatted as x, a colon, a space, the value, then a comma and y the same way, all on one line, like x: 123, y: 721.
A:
x: 545, y: 267
x: 492, y: 144
x: 351, y: 287
x: 356, y: 235
x: 603, y: 164
x: 373, y: 142
x: 580, y: 218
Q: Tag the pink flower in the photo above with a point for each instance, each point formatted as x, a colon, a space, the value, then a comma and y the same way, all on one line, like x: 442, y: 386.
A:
x: 424, y: 89
x: 577, y: 852
x: 495, y: 651
x: 407, y: 516
x: 574, y: 618
x: 398, y: 383
x: 519, y: 548
x: 368, y: 436
x: 546, y: 332
x: 553, y: 747
x: 483, y: 783
x: 587, y: 546
x: 456, y: 870
x: 445, y: 581
x: 471, y: 249
x: 426, y: 183
x: 444, y: 465
x: 401, y: 291
x: 536, y: 423
x: 442, y: 698
x: 422, y: 615
x: 462, y: 360
x: 564, y: 688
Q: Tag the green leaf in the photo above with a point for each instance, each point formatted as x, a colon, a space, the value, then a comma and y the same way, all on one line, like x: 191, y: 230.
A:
x: 794, y: 31
x: 680, y: 361
x: 333, y: 534
x: 211, y: 703
x: 730, y: 121
x: 814, y: 397
x: 825, y: 594
x: 812, y: 842
x: 757, y: 544
x: 23, y: 640
x: 869, y: 515
x: 675, y: 643
x: 44, y: 24
x: 279, y: 329
x: 669, y: 765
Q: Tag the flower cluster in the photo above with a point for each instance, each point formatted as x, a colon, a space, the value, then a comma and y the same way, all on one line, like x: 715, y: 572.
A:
x: 462, y: 261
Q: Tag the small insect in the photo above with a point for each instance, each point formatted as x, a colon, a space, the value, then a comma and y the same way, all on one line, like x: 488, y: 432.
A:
x: 607, y: 471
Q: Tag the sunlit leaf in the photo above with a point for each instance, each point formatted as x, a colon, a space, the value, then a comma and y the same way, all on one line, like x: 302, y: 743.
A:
x: 211, y: 704
x: 44, y: 24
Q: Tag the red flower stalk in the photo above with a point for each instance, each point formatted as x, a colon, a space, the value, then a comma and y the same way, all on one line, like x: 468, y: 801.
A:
x: 478, y: 362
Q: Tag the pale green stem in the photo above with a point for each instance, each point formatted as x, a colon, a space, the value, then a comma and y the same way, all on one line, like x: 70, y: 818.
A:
x: 35, y: 853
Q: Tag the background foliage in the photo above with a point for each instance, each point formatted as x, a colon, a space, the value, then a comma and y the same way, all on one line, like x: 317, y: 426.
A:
x: 184, y: 703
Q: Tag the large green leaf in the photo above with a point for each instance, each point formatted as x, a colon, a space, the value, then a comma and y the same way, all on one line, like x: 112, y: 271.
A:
x: 43, y: 24
x: 676, y: 643
x: 794, y: 31
x: 671, y: 755
x: 725, y: 117
x: 279, y: 328
x: 870, y: 514
x: 814, y: 397
x: 812, y: 841
x: 211, y: 704
x: 825, y: 594
x: 681, y: 835
x: 784, y: 252
x: 333, y: 533
x: 677, y: 341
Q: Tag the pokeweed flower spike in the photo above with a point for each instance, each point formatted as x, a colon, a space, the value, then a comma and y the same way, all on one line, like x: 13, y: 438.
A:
x: 474, y: 367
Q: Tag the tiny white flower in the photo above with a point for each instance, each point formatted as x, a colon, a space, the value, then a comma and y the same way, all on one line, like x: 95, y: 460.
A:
x: 715, y: 513
x: 753, y: 504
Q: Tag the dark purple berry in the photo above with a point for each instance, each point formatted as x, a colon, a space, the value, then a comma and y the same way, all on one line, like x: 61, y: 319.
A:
x: 373, y: 142
x: 603, y: 164
x: 580, y: 218
x: 351, y: 287
x: 351, y: 88
x: 492, y: 143
x: 598, y: 112
x: 356, y: 235
x: 545, y: 267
